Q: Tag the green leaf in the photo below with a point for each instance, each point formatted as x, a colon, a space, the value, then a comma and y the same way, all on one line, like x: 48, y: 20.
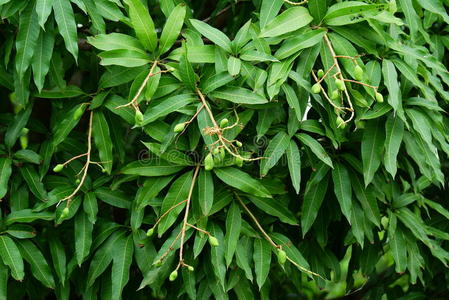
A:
x: 366, y: 198
x: 177, y: 193
x: 83, y: 236
x: 243, y: 255
x: 27, y: 216
x: 67, y: 26
x: 313, y: 198
x: 290, y: 20
x: 27, y: 155
x: 350, y: 12
x: 269, y: 9
x: 317, y: 9
x: 372, y: 145
x: 234, y: 65
x: 39, y: 266
x: 275, y: 209
x: 262, y: 260
x: 233, y: 226
x: 15, y: 127
x: 33, y: 181
x: 42, y: 57
x: 186, y: 71
x: 43, y: 10
x: 102, y: 138
x: 114, y: 198
x: 59, y: 258
x: 172, y: 28
x: 238, y: 95
x: 27, y: 37
x: 394, y: 131
x: 392, y: 84
x: 103, y: 257
x: 21, y: 231
x: 4, y: 275
x: 342, y: 189
x: 90, y: 206
x: 5, y: 174
x: 315, y: 147
x: 151, y: 168
x: 123, y: 57
x: 205, y: 191
x: 115, y: 41
x: 217, y: 255
x: 398, y: 249
x: 254, y: 55
x: 122, y: 253
x: 306, y: 40
x: 143, y: 24
x: 213, y: 34
x: 276, y: 148
x: 167, y: 106
x: 11, y: 257
x: 150, y: 189
x: 294, y: 164
x: 436, y: 7
x: 216, y: 81
x: 242, y: 181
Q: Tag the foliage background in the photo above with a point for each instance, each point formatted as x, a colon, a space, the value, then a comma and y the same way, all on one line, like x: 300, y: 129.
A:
x: 350, y: 186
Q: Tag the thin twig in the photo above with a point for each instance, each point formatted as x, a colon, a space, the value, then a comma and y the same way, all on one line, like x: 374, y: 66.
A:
x: 268, y: 238
x: 133, y: 102
x: 361, y: 83
x: 168, y: 211
x: 340, y: 75
x: 199, y: 229
x: 219, y: 131
x: 295, y: 3
x: 73, y: 158
x: 186, y: 215
x: 86, y: 165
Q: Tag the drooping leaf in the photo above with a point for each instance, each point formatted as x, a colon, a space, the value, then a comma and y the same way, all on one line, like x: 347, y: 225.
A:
x: 65, y: 18
x: 289, y: 20
x: 242, y: 181
x: 11, y: 257
x: 143, y: 24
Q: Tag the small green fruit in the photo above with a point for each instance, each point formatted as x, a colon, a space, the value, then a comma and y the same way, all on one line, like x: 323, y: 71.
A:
x: 379, y: 97
x: 213, y: 241
x: 320, y: 73
x: 190, y: 268
x: 65, y: 212
x: 335, y: 95
x: 360, y: 124
x: 138, y: 118
x: 340, y: 84
x: 173, y: 275
x: 216, y: 151
x: 208, y: 162
x: 239, y: 161
x: 78, y: 113
x: 340, y: 123
x: 150, y: 232
x: 24, y: 131
x: 58, y: 168
x: 316, y: 88
x: 179, y: 127
x: 77, y: 181
x: 358, y: 72
x: 282, y: 256
x: 23, y: 141
x: 224, y: 122
x: 238, y: 143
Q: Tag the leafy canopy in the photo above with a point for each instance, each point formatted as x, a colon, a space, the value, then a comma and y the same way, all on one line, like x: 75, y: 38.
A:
x: 223, y: 149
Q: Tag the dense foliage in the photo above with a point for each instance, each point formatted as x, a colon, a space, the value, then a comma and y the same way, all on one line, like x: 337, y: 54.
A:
x: 224, y: 149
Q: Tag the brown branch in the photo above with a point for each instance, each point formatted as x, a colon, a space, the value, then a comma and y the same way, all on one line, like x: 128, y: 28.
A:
x: 186, y: 215
x: 86, y: 165
x: 268, y: 238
